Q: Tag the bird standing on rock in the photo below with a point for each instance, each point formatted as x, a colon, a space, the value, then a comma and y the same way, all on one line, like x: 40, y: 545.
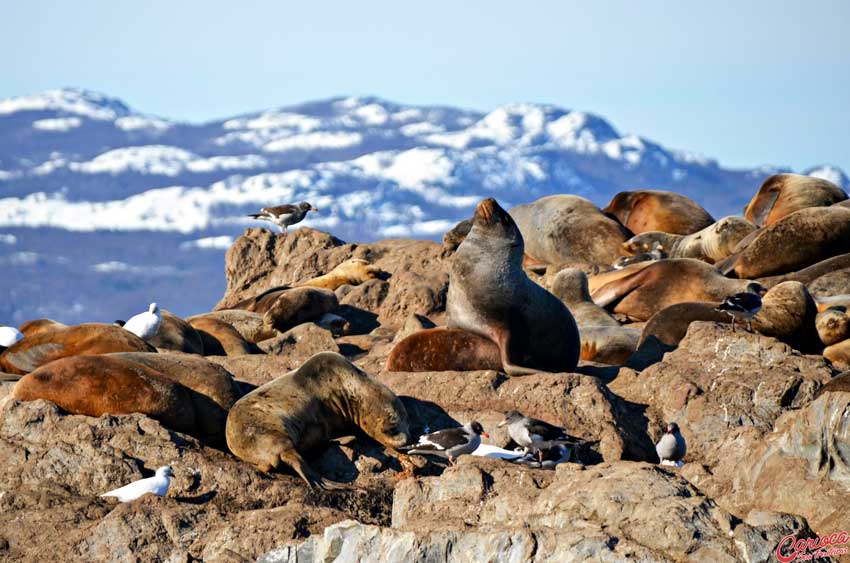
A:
x: 145, y: 325
x: 534, y: 434
x: 450, y: 443
x: 284, y: 215
x: 671, y: 448
x: 158, y: 485
x: 744, y: 305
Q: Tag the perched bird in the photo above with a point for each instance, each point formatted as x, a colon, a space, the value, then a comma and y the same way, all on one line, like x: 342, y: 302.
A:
x: 657, y: 253
x: 158, y: 485
x: 744, y: 305
x: 145, y: 325
x: 534, y: 434
x: 671, y: 447
x: 450, y: 443
x: 9, y: 335
x: 284, y: 215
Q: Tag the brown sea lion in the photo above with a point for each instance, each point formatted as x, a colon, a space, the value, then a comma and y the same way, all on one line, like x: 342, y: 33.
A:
x: 284, y: 307
x: 845, y: 204
x: 325, y: 398
x: 212, y: 388
x: 444, y: 349
x: 37, y: 326
x: 490, y: 295
x: 824, y: 303
x: 247, y: 323
x: 85, y: 339
x: 176, y: 334
x: 611, y: 345
x: 833, y: 283
x: 800, y: 239
x: 787, y: 313
x: 656, y: 210
x: 811, y: 273
x: 639, y: 292
x: 839, y: 354
x: 353, y: 271
x: 570, y: 286
x: 782, y: 194
x: 833, y: 325
x: 711, y: 244
x: 220, y: 338
x: 97, y: 385
x: 455, y: 236
x: 562, y: 229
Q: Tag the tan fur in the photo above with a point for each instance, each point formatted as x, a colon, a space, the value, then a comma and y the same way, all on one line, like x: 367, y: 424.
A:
x: 711, y: 244
x: 351, y: 272
x: 571, y: 287
x: 220, y: 338
x: 611, y: 345
x: 37, y: 326
x: 85, y: 339
x: 782, y: 194
x: 97, y: 385
x: 247, y: 323
x: 839, y: 354
x: 285, y: 307
x: 324, y: 398
x: 656, y: 210
x: 833, y: 325
x: 444, y: 349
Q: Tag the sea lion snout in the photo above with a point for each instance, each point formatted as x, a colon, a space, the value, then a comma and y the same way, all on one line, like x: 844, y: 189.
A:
x: 485, y: 210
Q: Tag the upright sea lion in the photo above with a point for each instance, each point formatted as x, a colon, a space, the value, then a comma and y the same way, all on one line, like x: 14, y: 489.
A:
x: 639, y: 292
x: 444, y: 349
x: 85, y: 339
x: 783, y: 194
x: 570, y: 286
x: 711, y: 244
x: 96, y: 385
x: 325, y: 398
x: 656, y: 210
x: 220, y: 338
x: 833, y: 325
x: 37, y: 326
x: 353, y: 271
x: 797, y: 240
x: 490, y: 295
x: 561, y: 229
x: 176, y: 334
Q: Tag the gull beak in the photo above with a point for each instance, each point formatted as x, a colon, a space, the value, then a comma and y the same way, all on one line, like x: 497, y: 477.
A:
x: 501, y: 424
x: 485, y: 434
x: 314, y: 208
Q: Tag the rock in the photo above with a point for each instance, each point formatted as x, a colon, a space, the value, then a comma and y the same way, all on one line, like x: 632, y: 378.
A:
x: 176, y: 334
x: 248, y: 323
x: 300, y: 343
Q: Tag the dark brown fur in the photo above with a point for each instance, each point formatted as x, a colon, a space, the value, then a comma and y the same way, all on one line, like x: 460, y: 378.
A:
x: 220, y: 338
x: 444, y: 349
x: 656, y: 210
x: 176, y: 334
x: 85, y: 339
x: 284, y: 308
x: 782, y: 194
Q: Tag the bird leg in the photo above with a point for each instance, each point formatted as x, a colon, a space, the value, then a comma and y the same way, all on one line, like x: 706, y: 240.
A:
x: 749, y: 325
x: 451, y: 461
x: 283, y: 230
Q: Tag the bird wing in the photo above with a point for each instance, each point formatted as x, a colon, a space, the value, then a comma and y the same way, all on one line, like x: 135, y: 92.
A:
x: 279, y: 210
x: 442, y: 440
x: 546, y: 431
x: 744, y: 302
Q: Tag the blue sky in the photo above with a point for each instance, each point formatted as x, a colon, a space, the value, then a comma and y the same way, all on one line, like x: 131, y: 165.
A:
x: 746, y: 82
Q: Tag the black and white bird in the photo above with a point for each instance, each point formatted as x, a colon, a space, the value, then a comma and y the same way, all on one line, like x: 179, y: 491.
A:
x: 450, y: 443
x: 744, y: 305
x: 158, y: 485
x: 284, y: 215
x: 657, y: 253
x: 145, y: 325
x: 537, y: 435
x: 9, y: 335
x: 671, y: 448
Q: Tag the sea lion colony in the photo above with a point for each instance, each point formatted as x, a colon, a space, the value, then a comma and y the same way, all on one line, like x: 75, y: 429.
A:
x: 497, y: 314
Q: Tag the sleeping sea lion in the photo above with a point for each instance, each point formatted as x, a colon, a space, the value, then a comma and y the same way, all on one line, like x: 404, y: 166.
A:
x: 656, y: 210
x: 782, y: 194
x: 711, y: 244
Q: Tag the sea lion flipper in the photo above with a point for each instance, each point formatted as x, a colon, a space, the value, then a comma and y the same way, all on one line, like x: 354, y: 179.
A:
x: 310, y: 476
x: 502, y: 338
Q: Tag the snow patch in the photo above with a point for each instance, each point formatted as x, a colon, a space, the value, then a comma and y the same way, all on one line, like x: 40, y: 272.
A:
x: 314, y: 141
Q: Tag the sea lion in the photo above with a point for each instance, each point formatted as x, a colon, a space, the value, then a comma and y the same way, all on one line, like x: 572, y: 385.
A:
x: 490, y: 295
x: 326, y: 397
x: 444, y: 349
x: 711, y: 244
x: 833, y: 325
x: 220, y: 338
x: 640, y: 292
x: 562, y: 229
x: 782, y: 194
x: 833, y: 283
x: 176, y: 334
x: 37, y: 326
x: 656, y: 252
x: 797, y: 240
x: 824, y: 303
x: 570, y: 286
x: 284, y: 307
x: 84, y: 339
x: 212, y: 389
x: 611, y: 345
x: 455, y: 236
x: 656, y: 210
x: 353, y: 271
x: 839, y: 354
x: 787, y: 313
x: 247, y: 323
x: 97, y: 385
x: 845, y: 204
x: 809, y: 274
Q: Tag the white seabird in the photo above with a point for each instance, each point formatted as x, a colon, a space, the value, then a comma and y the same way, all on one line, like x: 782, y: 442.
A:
x: 158, y: 485
x: 9, y: 335
x: 145, y: 325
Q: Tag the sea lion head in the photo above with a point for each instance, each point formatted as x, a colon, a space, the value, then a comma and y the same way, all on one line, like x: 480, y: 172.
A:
x: 570, y: 286
x: 384, y: 417
x: 491, y: 221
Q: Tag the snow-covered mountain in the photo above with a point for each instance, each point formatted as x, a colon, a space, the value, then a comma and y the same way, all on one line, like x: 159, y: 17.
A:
x: 81, y: 168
